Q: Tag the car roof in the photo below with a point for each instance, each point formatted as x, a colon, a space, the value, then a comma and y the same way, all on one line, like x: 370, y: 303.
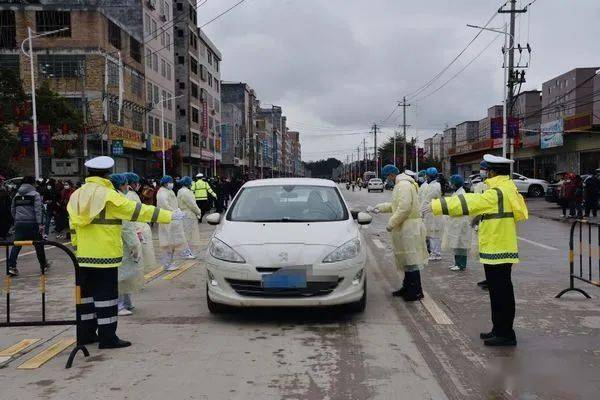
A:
x: 290, y: 181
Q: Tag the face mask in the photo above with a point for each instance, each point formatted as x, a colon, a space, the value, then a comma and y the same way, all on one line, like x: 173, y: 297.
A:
x: 66, y: 186
x: 170, y: 186
x: 48, y: 187
x: 153, y: 184
x: 483, y: 173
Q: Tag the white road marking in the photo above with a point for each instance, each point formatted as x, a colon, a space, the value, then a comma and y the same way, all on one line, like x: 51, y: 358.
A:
x: 538, y: 244
x: 436, y: 312
x: 378, y: 243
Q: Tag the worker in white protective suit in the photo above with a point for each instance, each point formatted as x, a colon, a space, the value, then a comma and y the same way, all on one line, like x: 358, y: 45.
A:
x: 457, y: 231
x: 171, y: 237
x: 143, y: 230
x: 407, y: 231
x: 434, y: 224
x: 131, y: 274
x: 187, y: 204
x: 479, y: 188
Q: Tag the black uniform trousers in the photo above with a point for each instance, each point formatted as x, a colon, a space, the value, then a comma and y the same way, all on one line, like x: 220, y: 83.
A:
x: 204, y: 206
x: 502, y: 299
x: 99, y: 298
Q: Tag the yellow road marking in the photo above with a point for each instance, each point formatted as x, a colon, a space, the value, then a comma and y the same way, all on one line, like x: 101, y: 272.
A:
x: 184, y: 267
x: 46, y: 355
x: 17, y: 348
x: 152, y: 274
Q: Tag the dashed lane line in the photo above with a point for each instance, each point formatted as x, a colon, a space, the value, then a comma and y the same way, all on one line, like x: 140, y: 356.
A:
x: 153, y: 274
x: 378, y: 243
x: 436, y: 312
x: 184, y: 267
x: 543, y: 246
x: 46, y: 355
x: 17, y: 348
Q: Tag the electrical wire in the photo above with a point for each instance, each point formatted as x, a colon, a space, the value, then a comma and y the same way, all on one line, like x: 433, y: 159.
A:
x: 223, y: 13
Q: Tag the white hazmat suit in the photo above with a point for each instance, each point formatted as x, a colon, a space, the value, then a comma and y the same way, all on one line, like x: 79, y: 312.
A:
x: 171, y: 236
x: 143, y: 230
x: 434, y: 224
x: 457, y: 236
x: 187, y: 204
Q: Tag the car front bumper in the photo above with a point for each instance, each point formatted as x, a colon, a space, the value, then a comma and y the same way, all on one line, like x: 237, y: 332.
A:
x: 346, y: 290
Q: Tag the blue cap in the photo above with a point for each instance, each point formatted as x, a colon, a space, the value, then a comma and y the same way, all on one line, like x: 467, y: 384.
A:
x: 484, y: 165
x: 457, y: 180
x: 117, y: 180
x: 132, y: 177
x: 389, y: 169
x: 166, y: 179
x: 186, y: 181
x: 431, y: 171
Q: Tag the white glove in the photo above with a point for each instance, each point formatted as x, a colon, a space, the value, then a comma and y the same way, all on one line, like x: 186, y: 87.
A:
x: 135, y: 255
x: 178, y: 215
x: 373, y: 210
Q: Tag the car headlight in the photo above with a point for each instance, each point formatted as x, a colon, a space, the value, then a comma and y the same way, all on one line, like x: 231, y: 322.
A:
x: 222, y: 251
x: 347, y: 251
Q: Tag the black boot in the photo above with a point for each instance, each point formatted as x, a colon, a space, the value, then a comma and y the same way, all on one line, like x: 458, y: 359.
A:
x: 487, y: 335
x: 498, y: 341
x: 400, y: 292
x: 414, y: 292
x: 114, y: 343
x: 89, y: 339
x: 483, y: 284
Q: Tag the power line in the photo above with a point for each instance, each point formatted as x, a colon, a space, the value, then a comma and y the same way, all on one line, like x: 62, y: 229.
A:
x: 223, y: 13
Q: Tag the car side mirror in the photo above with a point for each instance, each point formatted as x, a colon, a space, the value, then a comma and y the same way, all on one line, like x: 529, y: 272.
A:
x: 354, y: 214
x: 213, y: 219
x: 364, y: 218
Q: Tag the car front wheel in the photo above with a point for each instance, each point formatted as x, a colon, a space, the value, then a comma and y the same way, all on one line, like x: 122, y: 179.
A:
x: 360, y: 305
x: 215, y: 308
x: 536, y: 191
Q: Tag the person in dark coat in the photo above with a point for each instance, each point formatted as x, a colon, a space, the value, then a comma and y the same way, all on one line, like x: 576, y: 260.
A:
x: 5, y: 214
x: 591, y: 193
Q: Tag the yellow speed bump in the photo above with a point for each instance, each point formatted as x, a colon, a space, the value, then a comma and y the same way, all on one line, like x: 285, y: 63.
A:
x: 47, y: 354
x: 184, y: 267
x: 17, y: 348
x: 153, y: 274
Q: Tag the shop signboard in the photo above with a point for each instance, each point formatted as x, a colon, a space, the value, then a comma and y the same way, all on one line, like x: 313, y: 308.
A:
x: 154, y: 143
x: 497, y: 127
x: 552, y: 134
x: 131, y: 139
x: 117, y: 147
x: 578, y: 123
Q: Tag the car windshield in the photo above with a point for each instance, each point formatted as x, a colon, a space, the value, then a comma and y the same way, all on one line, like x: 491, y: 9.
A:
x: 288, y: 203
x: 375, y: 181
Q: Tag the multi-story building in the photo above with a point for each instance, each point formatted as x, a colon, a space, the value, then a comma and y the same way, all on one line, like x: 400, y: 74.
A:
x: 527, y: 109
x: 159, y: 55
x: 210, y: 58
x: 98, y: 64
x: 437, y: 147
x: 243, y: 97
x: 448, y: 142
x: 274, y: 118
x: 295, y: 153
x: 188, y: 104
x: 428, y: 149
x: 231, y: 135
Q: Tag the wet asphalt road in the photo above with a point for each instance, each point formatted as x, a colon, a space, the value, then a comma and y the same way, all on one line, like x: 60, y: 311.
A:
x: 423, y: 350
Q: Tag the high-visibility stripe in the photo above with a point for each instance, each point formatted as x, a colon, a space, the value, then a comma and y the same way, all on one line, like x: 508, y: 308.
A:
x: 444, y: 205
x: 155, y: 214
x: 498, y: 256
x: 107, y: 321
x: 106, y: 222
x: 87, y: 300
x: 498, y: 215
x: 87, y: 317
x: 106, y: 303
x: 99, y: 261
x: 463, y: 204
x: 500, y: 200
x: 46, y: 355
x: 17, y: 348
x: 136, y: 212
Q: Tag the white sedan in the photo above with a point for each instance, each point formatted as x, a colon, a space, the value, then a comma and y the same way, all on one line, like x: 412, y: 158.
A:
x: 375, y: 184
x: 287, y: 242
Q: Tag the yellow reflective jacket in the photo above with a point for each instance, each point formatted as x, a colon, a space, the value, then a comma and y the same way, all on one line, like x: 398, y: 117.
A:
x: 500, y: 208
x: 201, y: 189
x: 95, y: 214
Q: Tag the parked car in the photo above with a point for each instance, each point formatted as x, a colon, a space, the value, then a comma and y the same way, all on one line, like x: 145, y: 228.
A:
x: 553, y: 192
x: 287, y: 242
x: 529, y: 186
x: 375, y: 184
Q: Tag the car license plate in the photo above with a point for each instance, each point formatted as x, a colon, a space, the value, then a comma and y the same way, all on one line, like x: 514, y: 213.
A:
x: 282, y: 279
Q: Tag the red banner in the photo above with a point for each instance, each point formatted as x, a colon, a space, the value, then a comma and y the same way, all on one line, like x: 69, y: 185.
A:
x: 205, y: 118
x: 581, y: 122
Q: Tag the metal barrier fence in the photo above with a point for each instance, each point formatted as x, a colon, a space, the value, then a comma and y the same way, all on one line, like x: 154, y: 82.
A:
x: 43, y: 322
x: 593, y: 256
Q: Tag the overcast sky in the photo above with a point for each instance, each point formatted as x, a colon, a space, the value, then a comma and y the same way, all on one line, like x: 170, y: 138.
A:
x: 338, y: 66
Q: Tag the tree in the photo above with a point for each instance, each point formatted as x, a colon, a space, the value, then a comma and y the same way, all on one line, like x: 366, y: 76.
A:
x: 12, y: 112
x: 55, y: 110
x: 323, y: 168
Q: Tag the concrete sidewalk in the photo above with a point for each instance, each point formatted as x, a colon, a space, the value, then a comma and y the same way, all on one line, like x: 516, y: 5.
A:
x: 541, y: 208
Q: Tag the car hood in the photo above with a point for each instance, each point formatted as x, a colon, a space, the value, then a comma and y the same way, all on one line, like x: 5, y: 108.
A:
x: 540, y: 181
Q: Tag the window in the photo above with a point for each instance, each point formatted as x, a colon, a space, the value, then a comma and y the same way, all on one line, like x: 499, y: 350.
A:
x: 168, y: 71
x: 181, y: 59
x: 170, y: 130
x: 182, y: 112
x: 179, y: 7
x: 164, y: 96
x: 209, y: 57
x: 156, y: 99
x: 151, y: 125
x: 163, y: 67
x: 193, y: 40
x: 167, y: 11
x: 137, y: 120
x: 148, y: 58
x: 203, y: 73
x: 193, y: 16
x: 195, y: 115
x: 149, y: 93
x: 162, y: 36
x: 113, y: 112
x: 135, y: 49
x: 8, y: 30
x: 113, y: 73
x: 114, y: 34
x: 155, y: 62
x: 216, y: 85
x: 46, y: 21
x: 211, y: 123
x: 10, y: 62
x: 157, y: 126
x: 179, y: 32
x: 60, y: 66
x: 194, y: 90
x: 194, y: 66
x: 210, y: 79
x: 217, y: 65
x: 195, y: 140
x: 162, y: 7
x: 168, y: 41
x: 137, y: 84
x: 166, y: 129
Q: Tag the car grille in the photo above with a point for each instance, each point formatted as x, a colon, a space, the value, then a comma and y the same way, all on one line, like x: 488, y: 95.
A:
x: 255, y: 289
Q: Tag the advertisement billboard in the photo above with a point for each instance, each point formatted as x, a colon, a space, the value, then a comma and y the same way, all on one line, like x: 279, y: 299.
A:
x: 552, y: 134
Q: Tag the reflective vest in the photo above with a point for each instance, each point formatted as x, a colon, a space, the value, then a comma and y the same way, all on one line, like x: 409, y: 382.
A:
x: 201, y: 190
x: 96, y: 211
x: 500, y: 208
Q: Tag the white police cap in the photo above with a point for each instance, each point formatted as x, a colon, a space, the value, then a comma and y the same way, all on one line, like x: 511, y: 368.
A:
x: 200, y: 175
x: 491, y: 159
x: 410, y: 173
x: 102, y: 162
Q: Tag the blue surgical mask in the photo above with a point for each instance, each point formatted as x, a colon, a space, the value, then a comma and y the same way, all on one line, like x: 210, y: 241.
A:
x: 483, y: 173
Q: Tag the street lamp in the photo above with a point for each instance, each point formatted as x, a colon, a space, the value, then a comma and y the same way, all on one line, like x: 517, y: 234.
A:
x: 506, y: 34
x: 162, y: 126
x: 29, y: 54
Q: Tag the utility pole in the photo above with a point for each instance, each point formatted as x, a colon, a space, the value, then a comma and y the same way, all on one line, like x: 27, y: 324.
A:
x: 375, y: 151
x: 365, y: 155
x: 403, y: 105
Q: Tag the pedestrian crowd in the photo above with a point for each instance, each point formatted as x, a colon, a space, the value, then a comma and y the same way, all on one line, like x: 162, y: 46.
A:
x: 579, y: 195
x: 483, y: 224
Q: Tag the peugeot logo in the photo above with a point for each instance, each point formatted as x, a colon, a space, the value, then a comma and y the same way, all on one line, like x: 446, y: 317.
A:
x: 283, y: 256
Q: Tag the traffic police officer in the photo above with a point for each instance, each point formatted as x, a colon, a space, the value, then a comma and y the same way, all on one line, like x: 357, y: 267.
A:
x: 201, y: 190
x: 96, y: 211
x: 500, y: 208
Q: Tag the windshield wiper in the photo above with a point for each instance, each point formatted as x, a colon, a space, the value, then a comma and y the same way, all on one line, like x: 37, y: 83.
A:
x: 284, y: 219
